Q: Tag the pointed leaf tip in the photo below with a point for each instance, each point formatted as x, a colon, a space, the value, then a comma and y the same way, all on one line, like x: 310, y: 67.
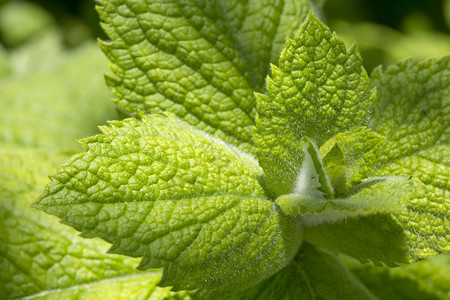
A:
x: 318, y: 90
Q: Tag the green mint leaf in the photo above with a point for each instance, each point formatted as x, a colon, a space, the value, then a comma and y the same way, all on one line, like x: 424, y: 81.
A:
x: 319, y: 90
x: 413, y: 108
x: 413, y: 112
x: 313, y: 274
x: 382, y: 195
x: 201, y: 59
x: 37, y: 253
x: 360, y: 149
x: 181, y: 199
x: 258, y: 29
x: 426, y: 220
x: 427, y: 279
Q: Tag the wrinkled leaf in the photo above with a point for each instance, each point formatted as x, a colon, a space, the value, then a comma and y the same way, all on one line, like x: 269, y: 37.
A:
x: 319, y: 90
x: 181, y: 199
x: 199, y: 59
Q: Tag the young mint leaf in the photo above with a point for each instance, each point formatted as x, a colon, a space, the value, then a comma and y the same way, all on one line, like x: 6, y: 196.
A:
x: 360, y: 148
x: 37, y: 253
x: 313, y: 274
x: 413, y: 113
x: 199, y: 59
x: 313, y: 196
x: 349, y: 167
x: 427, y: 279
x: 319, y: 90
x: 312, y: 155
x: 312, y: 182
x: 181, y: 199
x: 335, y: 165
x: 382, y: 195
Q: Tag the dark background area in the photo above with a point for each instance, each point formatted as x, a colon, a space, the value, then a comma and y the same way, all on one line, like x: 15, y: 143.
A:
x: 393, y: 13
x: 409, y: 28
x: 83, y: 10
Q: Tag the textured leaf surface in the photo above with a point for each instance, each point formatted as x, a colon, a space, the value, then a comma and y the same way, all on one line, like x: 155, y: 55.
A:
x: 37, y: 253
x: 319, y: 90
x: 51, y: 109
x: 162, y: 190
x: 199, y: 59
x: 426, y: 220
x: 413, y: 109
x: 413, y: 113
x: 313, y: 274
x: 428, y: 279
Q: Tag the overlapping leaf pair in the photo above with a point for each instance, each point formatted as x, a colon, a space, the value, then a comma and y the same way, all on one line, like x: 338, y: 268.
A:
x: 335, y: 167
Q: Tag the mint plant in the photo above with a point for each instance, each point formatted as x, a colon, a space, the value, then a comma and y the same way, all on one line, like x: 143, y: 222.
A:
x: 244, y: 173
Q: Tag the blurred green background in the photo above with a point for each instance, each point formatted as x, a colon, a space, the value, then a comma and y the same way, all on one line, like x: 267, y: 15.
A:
x: 385, y: 30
